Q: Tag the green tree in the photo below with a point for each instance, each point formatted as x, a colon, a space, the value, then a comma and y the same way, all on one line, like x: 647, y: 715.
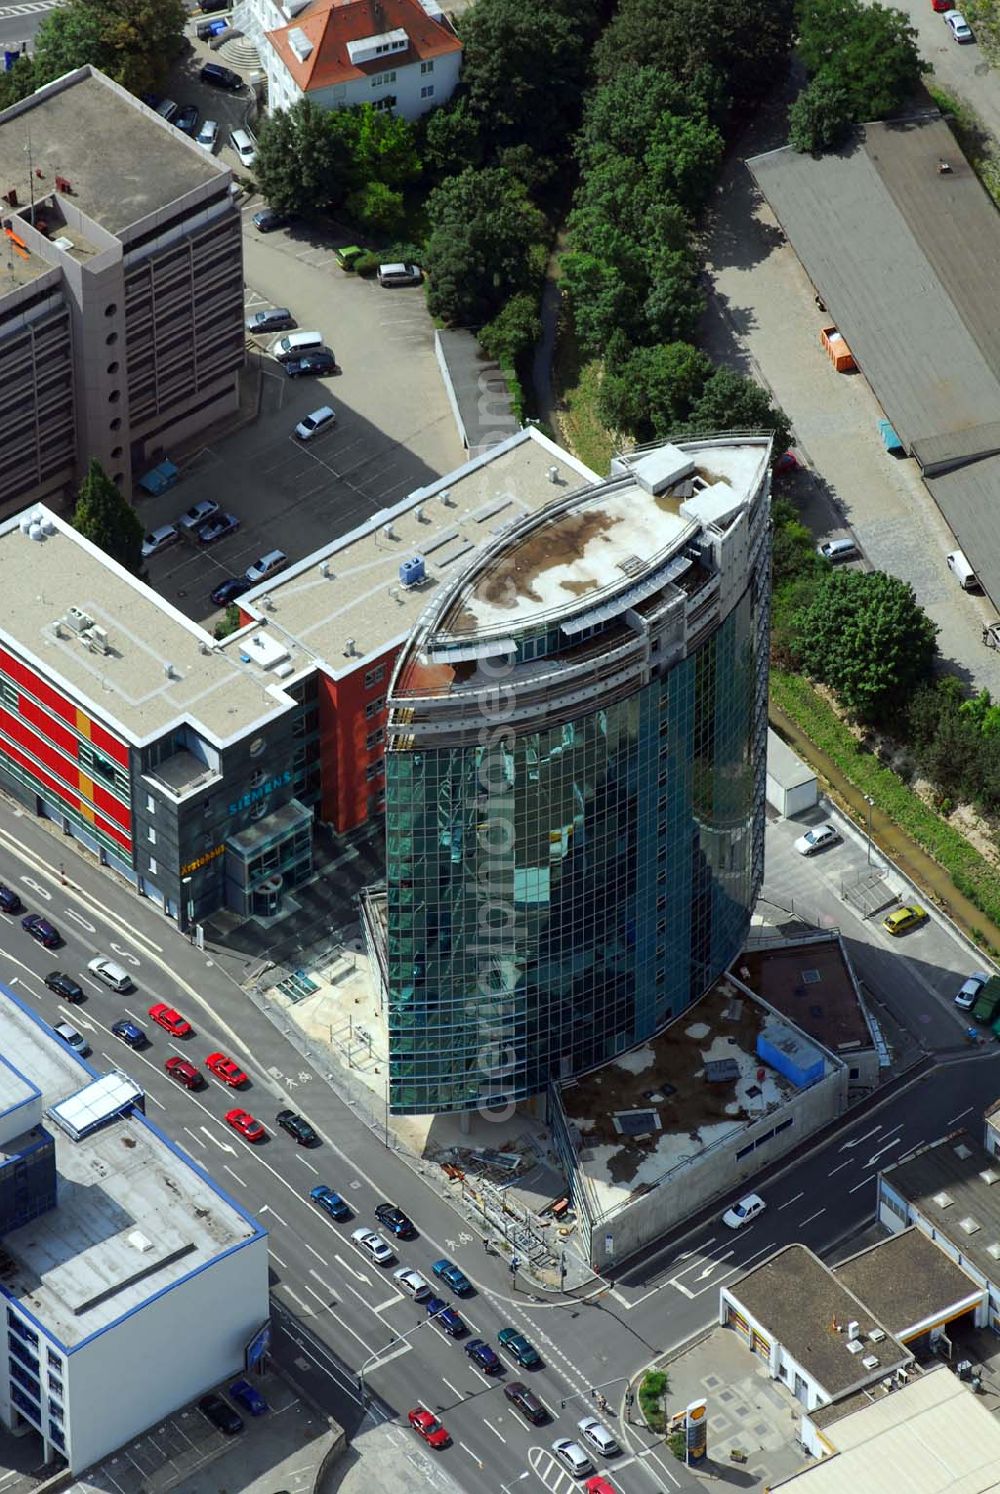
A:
x: 730, y: 401
x: 821, y: 116
x: 869, y: 51
x: 304, y: 163
x: 604, y: 298
x: 793, y: 550
x: 18, y: 83
x: 683, y: 159
x: 377, y: 208
x: 522, y: 73
x: 451, y: 139
x: 675, y: 299
x: 385, y: 149
x: 621, y: 116
x: 654, y: 391
x: 134, y: 41
x: 864, y: 634
x: 514, y: 331
x: 729, y: 54
x: 479, y: 252
x: 108, y: 520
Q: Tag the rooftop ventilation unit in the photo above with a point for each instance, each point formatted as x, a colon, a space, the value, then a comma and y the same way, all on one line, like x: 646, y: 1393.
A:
x: 78, y: 620
x: 324, y: 568
x: 853, y: 1328
x: 387, y: 532
x: 969, y: 1225
x: 412, y: 571
x: 170, y: 671
x: 876, y: 1335
x: 854, y: 1346
x: 871, y: 1361
x: 446, y: 498
x: 420, y: 516
x: 553, y: 474
x: 63, y: 243
x: 350, y: 648
x: 96, y: 640
x: 140, y: 1242
x: 990, y: 1176
x: 943, y: 1200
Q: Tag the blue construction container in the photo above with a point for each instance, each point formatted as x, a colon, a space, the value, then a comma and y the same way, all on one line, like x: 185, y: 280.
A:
x: 791, y: 1053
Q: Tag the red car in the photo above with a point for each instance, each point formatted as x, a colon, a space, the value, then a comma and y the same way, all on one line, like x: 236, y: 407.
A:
x: 243, y: 1121
x: 185, y: 1073
x: 429, y: 1428
x: 223, y: 1068
x: 164, y: 1016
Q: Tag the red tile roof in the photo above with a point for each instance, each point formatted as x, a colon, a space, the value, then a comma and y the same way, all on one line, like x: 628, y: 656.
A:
x: 330, y: 24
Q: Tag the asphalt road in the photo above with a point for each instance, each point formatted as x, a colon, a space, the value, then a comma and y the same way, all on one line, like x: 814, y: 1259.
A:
x: 19, y: 22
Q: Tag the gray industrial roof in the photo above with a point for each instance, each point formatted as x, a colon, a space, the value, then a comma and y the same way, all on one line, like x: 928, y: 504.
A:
x: 955, y: 1186
x: 906, y: 258
x: 478, y: 390
x: 907, y: 1280
x: 799, y: 1302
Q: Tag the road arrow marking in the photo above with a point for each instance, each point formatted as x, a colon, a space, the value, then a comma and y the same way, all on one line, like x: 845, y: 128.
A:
x: 859, y: 1139
x: 222, y: 1145
x: 887, y: 1148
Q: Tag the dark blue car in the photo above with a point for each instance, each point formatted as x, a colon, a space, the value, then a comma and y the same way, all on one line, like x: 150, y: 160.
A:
x: 9, y: 900
x: 395, y: 1221
x: 456, y: 1279
x: 39, y: 928
x: 249, y: 1397
x: 482, y: 1355
x: 331, y: 1203
x: 227, y: 591
x: 130, y: 1033
x: 447, y: 1317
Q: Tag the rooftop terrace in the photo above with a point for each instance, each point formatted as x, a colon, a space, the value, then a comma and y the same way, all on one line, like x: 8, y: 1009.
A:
x: 133, y: 1217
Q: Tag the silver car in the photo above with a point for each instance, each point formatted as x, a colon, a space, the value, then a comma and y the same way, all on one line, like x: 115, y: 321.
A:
x: 374, y: 1247
x: 597, y: 1434
x: 412, y: 1283
x: 208, y: 136
x: 817, y: 839
x: 572, y: 1456
x: 968, y: 993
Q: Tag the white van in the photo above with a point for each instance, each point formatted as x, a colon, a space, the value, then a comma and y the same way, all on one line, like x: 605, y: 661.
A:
x: 243, y: 146
x: 294, y: 344
x: 962, y: 571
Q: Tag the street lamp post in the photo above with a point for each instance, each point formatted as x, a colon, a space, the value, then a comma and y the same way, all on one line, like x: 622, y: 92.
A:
x: 869, y: 802
x: 189, y: 912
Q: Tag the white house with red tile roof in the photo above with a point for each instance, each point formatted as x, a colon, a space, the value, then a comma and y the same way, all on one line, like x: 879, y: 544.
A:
x: 401, y: 55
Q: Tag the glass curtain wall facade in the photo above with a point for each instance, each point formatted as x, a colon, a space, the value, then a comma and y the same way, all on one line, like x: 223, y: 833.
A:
x: 557, y: 893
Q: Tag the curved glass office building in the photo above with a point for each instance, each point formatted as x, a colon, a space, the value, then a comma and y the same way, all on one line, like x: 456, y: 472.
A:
x: 575, y: 778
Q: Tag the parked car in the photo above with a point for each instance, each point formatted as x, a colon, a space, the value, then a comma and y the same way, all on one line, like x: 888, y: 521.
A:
x: 270, y: 319
x: 395, y: 1221
x: 266, y: 566
x: 158, y: 539
x: 412, y: 1283
x: 600, y: 1485
x: 167, y: 110
x: 904, y: 919
x: 266, y: 220
x: 319, y: 364
x: 129, y: 1033
x: 41, y: 930
x: 430, y: 1429
x: 316, y: 421
x: 208, y: 136
x: 520, y: 1349
x: 246, y: 1124
x: 65, y: 986
x: 244, y: 147
x: 112, y: 974
x: 72, y: 1038
x: 453, y: 1277
x: 968, y: 992
x: 249, y: 1397
x: 297, y: 1127
x: 597, y: 1435
x: 217, y: 528
x: 227, y: 591
x: 225, y: 1069
x: 572, y: 1456
x: 347, y: 256
x: 374, y: 1247
x: 836, y: 550
x: 958, y: 26
x: 487, y: 1359
x: 184, y: 1072
x: 170, y: 1020
x: 744, y: 1212
x: 9, y: 900
x: 186, y: 119
x: 221, y: 1414
x: 445, y: 1316
x: 331, y: 1203
x: 527, y: 1402
x: 197, y: 515
x: 820, y: 838
x: 220, y: 77
x: 399, y: 274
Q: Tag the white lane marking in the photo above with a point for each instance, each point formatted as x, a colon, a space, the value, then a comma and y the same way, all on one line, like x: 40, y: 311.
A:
x: 493, y: 1430
x: 276, y: 1257
x: 471, y: 1454
x: 154, y: 1100
x: 284, y: 1287
x: 859, y: 1139
x: 325, y: 1285
x: 389, y: 1302
x: 321, y: 1258
x: 313, y: 1293
x: 222, y: 1145
x: 887, y: 1148
x: 960, y: 1116
x: 454, y: 1391
x: 266, y: 1209
x: 790, y: 1201
x: 356, y: 1274
x: 397, y: 1353
x: 804, y: 1222
x: 862, y: 1184
x: 226, y: 1168
x: 306, y: 1163
x: 194, y: 1137
x: 839, y: 1166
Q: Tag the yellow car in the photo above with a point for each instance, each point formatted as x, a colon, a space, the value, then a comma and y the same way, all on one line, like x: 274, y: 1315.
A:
x: 904, y: 919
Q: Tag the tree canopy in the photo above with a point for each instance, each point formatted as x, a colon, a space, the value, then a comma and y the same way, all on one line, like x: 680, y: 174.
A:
x: 866, y: 59
x: 309, y: 159
x: 134, y: 41
x: 479, y: 253
x: 108, y: 520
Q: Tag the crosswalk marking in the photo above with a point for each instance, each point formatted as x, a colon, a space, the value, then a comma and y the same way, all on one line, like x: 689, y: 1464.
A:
x: 28, y: 9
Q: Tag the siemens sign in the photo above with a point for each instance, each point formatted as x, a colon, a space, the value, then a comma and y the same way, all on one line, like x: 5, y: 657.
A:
x: 261, y: 791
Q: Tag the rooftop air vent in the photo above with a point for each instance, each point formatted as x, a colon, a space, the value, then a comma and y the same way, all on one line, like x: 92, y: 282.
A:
x: 553, y: 474
x: 63, y: 243
x: 78, y: 620
x: 140, y: 1242
x: 853, y: 1328
x: 170, y: 671
x: 994, y: 1250
x: 446, y: 498
x: 324, y: 568
x: 349, y: 648
x: 990, y: 1176
x: 870, y: 1361
x: 387, y: 532
x: 96, y: 640
x: 412, y: 571
x: 943, y: 1200
x: 876, y: 1335
x: 854, y: 1346
x: 969, y: 1225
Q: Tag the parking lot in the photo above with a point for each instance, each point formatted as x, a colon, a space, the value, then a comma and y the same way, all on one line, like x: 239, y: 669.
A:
x: 394, y: 430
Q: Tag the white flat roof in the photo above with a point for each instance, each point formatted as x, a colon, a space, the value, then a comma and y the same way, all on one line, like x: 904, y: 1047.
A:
x: 133, y: 1216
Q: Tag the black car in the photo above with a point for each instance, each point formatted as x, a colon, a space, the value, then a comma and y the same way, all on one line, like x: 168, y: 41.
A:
x: 526, y: 1402
x: 222, y: 77
x: 297, y: 1127
x: 487, y: 1359
x: 65, y: 986
x: 186, y: 118
x: 208, y: 7
x: 221, y: 1414
x: 311, y: 363
x: 227, y: 591
x: 39, y: 928
x: 395, y: 1221
x: 9, y: 901
x: 266, y: 220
